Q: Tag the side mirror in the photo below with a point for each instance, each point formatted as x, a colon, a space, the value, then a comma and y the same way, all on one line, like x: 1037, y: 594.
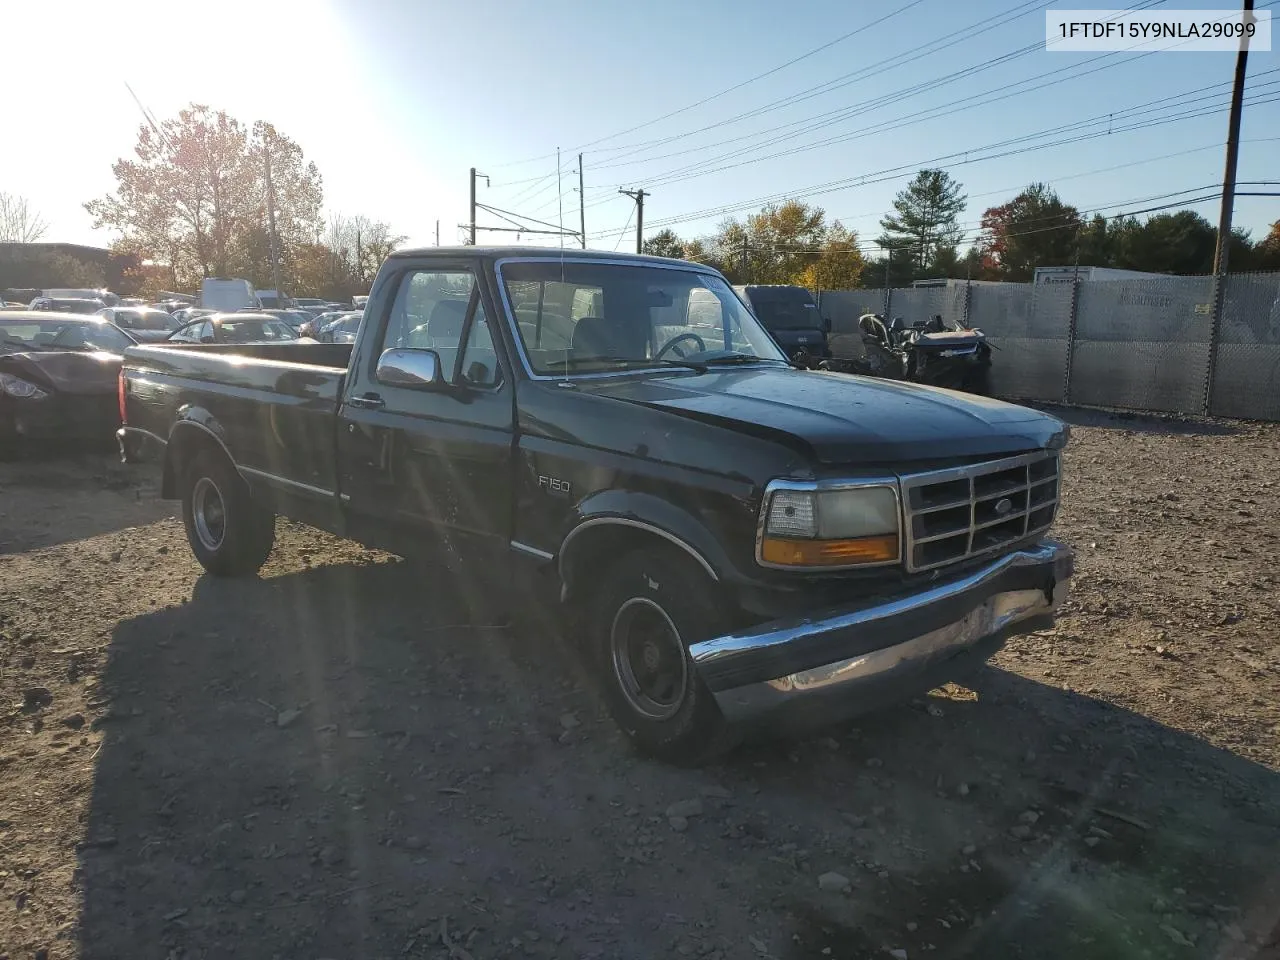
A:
x: 207, y: 338
x: 411, y: 369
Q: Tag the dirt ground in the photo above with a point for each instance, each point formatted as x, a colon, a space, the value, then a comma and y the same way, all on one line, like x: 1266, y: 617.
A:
x: 347, y: 759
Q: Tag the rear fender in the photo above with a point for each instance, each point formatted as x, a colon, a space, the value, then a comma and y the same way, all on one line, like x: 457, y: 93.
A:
x: 194, y: 429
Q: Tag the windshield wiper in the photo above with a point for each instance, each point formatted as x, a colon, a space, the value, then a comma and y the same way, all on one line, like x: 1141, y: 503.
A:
x: 726, y: 358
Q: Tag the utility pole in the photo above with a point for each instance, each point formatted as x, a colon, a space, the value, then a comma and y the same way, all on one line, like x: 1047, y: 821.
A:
x: 582, y: 206
x: 638, y: 196
x: 437, y: 233
x: 1222, y: 254
x: 271, y: 219
x: 472, y: 241
x: 746, y: 253
x: 359, y: 260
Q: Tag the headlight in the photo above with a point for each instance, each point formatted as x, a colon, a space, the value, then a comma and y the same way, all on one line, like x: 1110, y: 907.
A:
x: 841, y: 527
x: 15, y: 387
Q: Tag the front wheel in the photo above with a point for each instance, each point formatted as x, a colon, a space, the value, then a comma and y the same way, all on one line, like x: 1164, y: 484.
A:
x: 650, y: 606
x: 230, y: 534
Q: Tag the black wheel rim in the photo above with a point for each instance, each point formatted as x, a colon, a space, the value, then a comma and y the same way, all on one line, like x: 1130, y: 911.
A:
x: 208, y: 513
x: 649, y: 659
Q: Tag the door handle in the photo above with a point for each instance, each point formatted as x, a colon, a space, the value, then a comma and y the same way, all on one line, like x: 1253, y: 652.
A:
x: 370, y: 401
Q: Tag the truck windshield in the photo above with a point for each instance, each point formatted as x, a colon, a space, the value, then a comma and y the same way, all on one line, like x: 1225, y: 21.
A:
x: 785, y: 309
x: 584, y: 316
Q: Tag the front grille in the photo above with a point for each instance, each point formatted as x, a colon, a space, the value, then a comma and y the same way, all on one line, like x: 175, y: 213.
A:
x: 952, y: 515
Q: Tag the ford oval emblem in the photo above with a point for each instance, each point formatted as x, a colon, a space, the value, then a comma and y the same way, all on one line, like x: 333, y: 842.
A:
x: 1003, y: 506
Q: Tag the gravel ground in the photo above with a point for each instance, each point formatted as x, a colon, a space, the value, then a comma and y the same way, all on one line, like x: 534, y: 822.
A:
x: 344, y: 759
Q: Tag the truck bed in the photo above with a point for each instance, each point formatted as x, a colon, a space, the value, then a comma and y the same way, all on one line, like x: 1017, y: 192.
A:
x: 273, y: 406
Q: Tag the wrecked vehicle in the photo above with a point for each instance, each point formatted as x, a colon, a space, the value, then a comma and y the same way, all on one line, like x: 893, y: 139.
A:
x: 58, y: 377
x: 736, y: 542
x: 926, y: 352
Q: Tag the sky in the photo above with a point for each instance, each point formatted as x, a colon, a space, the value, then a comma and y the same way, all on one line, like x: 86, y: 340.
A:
x: 395, y: 100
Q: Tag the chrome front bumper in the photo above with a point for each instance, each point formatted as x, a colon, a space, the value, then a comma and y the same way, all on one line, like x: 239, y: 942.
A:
x: 852, y: 659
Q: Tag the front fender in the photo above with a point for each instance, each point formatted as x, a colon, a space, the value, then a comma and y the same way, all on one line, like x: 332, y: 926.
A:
x: 644, y: 511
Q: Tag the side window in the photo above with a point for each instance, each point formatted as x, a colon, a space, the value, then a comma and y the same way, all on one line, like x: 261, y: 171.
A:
x: 479, y: 358
x: 428, y: 314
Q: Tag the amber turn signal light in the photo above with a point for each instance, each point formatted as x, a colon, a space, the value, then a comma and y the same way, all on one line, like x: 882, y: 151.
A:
x: 829, y: 553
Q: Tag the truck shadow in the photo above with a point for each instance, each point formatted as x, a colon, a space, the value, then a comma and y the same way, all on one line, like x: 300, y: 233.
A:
x: 347, y: 762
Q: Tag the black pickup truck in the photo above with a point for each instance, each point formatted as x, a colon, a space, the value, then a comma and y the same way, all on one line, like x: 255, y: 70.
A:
x: 738, y: 541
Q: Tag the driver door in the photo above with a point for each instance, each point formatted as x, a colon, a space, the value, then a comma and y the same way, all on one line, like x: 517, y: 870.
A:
x: 426, y: 467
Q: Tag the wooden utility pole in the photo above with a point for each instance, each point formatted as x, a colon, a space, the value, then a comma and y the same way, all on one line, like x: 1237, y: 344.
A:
x: 271, y: 221
x: 582, y: 206
x: 638, y: 196
x: 1222, y: 254
x: 474, y: 175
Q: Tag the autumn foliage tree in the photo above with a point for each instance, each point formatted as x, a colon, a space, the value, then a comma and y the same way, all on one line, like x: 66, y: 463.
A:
x: 1033, y: 229
x: 195, y: 197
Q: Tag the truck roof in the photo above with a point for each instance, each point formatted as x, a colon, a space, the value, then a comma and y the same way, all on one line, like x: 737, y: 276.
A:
x: 549, y: 253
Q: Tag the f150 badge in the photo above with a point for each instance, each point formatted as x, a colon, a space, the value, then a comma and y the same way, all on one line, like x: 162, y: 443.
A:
x: 555, y: 485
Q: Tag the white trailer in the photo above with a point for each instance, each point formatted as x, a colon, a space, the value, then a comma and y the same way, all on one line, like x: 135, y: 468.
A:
x: 1088, y: 274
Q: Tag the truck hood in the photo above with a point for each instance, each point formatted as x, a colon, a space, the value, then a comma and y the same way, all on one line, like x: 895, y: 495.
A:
x: 69, y: 372
x: 842, y: 418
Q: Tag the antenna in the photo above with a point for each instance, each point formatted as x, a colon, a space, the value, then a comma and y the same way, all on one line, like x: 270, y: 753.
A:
x: 151, y: 120
x: 560, y: 201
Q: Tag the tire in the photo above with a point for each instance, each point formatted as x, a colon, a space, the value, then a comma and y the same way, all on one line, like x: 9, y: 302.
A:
x: 230, y: 534
x: 647, y: 609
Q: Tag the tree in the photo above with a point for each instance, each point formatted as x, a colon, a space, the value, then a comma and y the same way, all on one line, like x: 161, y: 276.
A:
x: 1034, y: 229
x: 195, y: 196
x: 924, y: 222
x: 1268, y: 250
x: 18, y: 222
x: 839, y: 265
x: 772, y: 246
x: 665, y: 243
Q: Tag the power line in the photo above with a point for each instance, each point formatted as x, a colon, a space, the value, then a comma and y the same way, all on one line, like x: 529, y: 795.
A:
x: 992, y: 95
x: 966, y: 156
x: 623, y: 231
x: 844, y: 81
x: 737, y: 86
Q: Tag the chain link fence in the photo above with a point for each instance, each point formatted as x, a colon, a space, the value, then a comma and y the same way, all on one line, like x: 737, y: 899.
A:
x: 1169, y: 344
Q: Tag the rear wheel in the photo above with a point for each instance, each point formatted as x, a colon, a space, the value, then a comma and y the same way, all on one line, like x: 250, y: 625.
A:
x: 230, y: 534
x: 650, y: 607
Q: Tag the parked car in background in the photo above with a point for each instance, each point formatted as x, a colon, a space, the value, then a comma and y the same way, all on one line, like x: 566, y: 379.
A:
x: 185, y: 315
x: 67, y: 305
x: 294, y: 318
x: 169, y: 306
x: 108, y: 298
x: 317, y: 323
x: 58, y: 376
x: 341, y: 330
x: 790, y: 316
x: 227, y: 293
x: 359, y: 302
x: 312, y: 305
x: 235, y: 328
x: 274, y: 300
x: 144, y: 324
x: 131, y: 302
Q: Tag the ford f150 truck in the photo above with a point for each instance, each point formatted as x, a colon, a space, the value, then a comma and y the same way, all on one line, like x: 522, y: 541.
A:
x: 739, y: 541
